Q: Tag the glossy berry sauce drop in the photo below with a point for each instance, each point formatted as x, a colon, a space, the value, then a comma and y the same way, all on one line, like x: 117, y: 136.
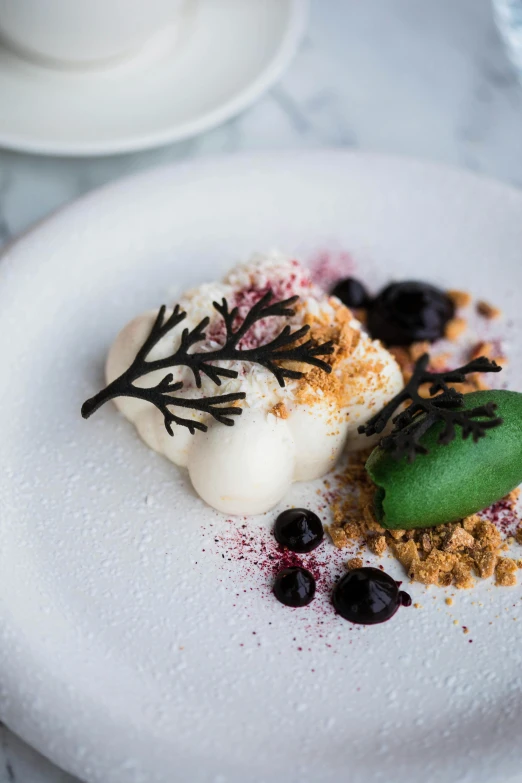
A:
x: 294, y: 586
x: 299, y: 530
x: 404, y: 313
x: 368, y: 596
x: 352, y: 293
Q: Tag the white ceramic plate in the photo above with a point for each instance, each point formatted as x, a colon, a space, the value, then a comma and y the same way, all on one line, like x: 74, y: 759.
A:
x: 218, y: 60
x: 131, y: 647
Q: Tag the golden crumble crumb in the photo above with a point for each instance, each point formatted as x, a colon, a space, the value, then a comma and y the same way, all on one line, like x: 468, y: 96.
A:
x: 470, y: 523
x: 417, y: 606
x: 482, y: 349
x: 444, y: 561
x: 506, y: 572
x: 485, y: 563
x: 352, y: 531
x: 371, y: 523
x: 463, y: 578
x: 518, y: 535
x: 455, y: 328
x: 459, y: 298
x: 377, y: 545
x: 338, y: 536
x: 426, y: 542
x: 458, y: 539
x: 397, y: 534
x: 419, y: 349
x: 406, y: 554
x: 354, y: 562
x: 449, y: 601
x: 280, y: 410
x: 487, y: 310
x: 487, y: 536
x: 427, y: 572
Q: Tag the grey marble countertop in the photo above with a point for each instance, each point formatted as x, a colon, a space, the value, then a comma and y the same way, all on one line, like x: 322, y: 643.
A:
x: 428, y: 78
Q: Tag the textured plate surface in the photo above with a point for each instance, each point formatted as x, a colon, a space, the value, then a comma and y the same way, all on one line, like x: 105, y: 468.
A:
x: 131, y: 647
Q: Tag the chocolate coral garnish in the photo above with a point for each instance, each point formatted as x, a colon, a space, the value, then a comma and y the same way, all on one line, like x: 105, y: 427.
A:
x: 444, y: 405
x: 286, y: 347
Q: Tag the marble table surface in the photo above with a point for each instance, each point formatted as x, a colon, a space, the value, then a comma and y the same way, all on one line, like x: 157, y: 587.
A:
x: 428, y: 78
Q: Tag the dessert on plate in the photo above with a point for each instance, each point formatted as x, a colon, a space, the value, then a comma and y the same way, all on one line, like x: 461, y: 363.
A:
x: 264, y: 379
x: 301, y: 402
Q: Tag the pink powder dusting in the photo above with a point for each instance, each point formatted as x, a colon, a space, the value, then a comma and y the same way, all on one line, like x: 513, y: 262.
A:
x: 261, y: 556
x: 257, y: 558
x: 268, y: 328
x: 329, y: 266
x: 503, y: 516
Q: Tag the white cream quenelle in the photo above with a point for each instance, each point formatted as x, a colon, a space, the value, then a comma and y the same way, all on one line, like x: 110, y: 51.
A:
x: 295, y: 433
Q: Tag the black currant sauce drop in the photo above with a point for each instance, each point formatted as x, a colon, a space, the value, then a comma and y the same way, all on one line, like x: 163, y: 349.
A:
x: 294, y: 586
x: 368, y: 596
x: 299, y: 529
x: 352, y: 293
x: 408, y: 312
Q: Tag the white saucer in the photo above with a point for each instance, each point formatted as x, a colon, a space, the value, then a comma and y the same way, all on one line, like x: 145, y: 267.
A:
x: 222, y: 56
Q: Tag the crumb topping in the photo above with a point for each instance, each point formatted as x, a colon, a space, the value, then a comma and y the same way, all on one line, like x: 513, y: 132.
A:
x: 506, y: 572
x: 460, y: 299
x: 338, y: 328
x: 280, y: 410
x: 452, y: 554
x: 348, y: 381
x: 455, y: 328
x: 487, y: 310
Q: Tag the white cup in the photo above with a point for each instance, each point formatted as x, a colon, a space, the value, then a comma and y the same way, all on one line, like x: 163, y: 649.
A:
x: 83, y: 32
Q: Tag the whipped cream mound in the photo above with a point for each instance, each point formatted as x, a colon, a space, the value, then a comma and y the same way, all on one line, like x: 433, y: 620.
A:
x: 294, y: 433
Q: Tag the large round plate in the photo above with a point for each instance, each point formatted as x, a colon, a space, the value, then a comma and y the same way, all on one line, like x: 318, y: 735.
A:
x: 131, y: 647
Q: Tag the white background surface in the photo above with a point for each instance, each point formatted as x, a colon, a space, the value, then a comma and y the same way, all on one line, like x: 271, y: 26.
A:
x: 420, y: 77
